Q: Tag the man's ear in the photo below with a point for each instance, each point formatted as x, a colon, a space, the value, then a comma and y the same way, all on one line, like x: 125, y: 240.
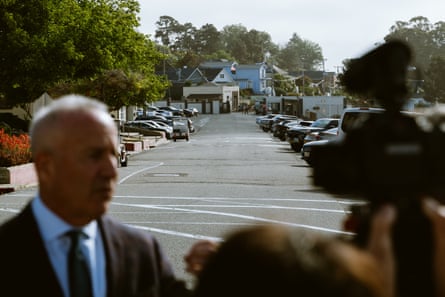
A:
x: 43, y: 164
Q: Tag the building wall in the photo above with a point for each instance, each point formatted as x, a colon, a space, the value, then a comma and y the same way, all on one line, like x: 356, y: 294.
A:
x: 251, y: 77
x: 312, y: 107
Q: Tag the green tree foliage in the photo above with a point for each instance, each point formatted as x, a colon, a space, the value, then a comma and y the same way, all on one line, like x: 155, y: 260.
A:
x: 71, y: 42
x: 435, y: 81
x: 208, y: 40
x: 233, y: 42
x: 283, y: 85
x: 428, y: 43
x: 258, y: 43
x: 169, y: 30
x: 24, y: 67
x: 247, y: 46
x: 426, y: 39
x: 300, y: 54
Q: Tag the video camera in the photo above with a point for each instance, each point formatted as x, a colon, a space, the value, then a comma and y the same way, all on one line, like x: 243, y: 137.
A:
x: 393, y: 158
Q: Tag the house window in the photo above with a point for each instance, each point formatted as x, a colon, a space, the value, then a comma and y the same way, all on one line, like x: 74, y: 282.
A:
x: 221, y: 75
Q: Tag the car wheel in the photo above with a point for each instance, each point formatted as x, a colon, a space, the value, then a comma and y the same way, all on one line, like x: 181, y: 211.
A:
x: 296, y: 146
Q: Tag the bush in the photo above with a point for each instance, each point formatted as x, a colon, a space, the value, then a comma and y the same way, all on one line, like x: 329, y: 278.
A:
x: 14, y: 150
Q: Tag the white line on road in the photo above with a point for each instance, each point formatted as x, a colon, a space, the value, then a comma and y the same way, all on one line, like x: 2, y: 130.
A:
x: 175, y: 233
x: 335, y: 201
x: 173, y: 206
x: 139, y: 171
x: 246, y: 217
x: 13, y: 210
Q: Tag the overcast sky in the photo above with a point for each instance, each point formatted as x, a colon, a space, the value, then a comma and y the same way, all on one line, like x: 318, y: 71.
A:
x: 343, y: 28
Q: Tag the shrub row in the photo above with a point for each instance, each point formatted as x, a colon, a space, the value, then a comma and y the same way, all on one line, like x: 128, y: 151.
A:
x: 14, y: 150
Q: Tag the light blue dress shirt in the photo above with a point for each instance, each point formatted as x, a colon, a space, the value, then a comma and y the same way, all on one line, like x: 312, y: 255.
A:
x: 53, y: 232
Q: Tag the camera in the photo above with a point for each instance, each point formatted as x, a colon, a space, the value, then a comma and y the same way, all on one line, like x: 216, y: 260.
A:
x: 396, y: 157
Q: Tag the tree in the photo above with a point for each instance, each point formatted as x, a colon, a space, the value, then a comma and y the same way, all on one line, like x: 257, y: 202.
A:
x: 220, y: 55
x: 168, y: 29
x: 434, y: 86
x: 177, y: 37
x: 69, y: 43
x: 207, y: 40
x: 258, y: 44
x: 300, y: 54
x: 247, y: 47
x: 282, y: 85
x: 23, y: 65
x: 426, y: 39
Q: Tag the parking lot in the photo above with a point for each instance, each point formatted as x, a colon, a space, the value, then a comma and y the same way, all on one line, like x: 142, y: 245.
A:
x: 229, y: 175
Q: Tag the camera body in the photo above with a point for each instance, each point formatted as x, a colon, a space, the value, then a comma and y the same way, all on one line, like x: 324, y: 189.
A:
x: 395, y: 157
x: 389, y: 156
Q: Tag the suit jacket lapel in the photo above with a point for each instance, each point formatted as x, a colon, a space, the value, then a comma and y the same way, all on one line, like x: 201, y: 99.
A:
x: 38, y: 269
x: 112, y: 253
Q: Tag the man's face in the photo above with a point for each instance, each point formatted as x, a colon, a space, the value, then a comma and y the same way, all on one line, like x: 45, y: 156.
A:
x: 83, y: 172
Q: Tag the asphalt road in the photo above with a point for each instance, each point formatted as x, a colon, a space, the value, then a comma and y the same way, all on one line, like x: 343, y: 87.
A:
x: 229, y: 175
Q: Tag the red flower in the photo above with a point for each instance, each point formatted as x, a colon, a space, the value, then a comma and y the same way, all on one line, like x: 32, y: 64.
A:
x: 14, y: 150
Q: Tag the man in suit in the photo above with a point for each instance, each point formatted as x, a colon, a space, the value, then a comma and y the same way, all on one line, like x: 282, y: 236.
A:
x: 74, y: 144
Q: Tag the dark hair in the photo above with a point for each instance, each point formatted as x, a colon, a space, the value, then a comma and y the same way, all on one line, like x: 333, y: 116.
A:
x: 264, y: 261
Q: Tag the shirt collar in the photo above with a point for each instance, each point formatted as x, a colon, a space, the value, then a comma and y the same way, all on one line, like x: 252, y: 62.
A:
x: 51, y: 226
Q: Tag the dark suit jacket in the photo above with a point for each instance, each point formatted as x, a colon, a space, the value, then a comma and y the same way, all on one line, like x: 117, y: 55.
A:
x: 136, y: 265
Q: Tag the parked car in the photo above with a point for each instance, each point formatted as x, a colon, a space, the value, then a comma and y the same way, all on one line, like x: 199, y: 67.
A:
x: 190, y: 112
x: 264, y: 121
x: 316, y: 138
x: 175, y: 111
x: 353, y: 117
x: 282, y: 127
x: 319, y: 135
x: 306, y: 150
x: 145, y: 128
x: 279, y: 118
x: 180, y: 131
x: 296, y: 134
x: 157, y: 118
x: 167, y: 128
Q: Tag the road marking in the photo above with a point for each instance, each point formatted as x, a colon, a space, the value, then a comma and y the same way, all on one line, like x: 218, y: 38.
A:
x: 239, y: 198
x: 166, y: 174
x: 13, y: 210
x: 245, y: 217
x: 173, y: 206
x: 175, y: 233
x: 139, y: 171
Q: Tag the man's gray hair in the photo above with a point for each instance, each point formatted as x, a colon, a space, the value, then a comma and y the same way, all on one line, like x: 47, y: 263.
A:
x: 67, y: 103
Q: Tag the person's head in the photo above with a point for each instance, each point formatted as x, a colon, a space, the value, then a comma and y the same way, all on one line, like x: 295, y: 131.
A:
x: 275, y: 261
x: 74, y: 144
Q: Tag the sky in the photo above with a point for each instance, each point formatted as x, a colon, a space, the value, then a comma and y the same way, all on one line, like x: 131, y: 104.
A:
x: 342, y: 28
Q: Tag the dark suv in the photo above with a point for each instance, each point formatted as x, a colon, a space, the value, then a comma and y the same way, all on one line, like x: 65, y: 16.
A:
x: 296, y: 134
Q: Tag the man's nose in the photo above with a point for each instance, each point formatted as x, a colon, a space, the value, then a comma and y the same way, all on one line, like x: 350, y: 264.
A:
x: 109, y: 166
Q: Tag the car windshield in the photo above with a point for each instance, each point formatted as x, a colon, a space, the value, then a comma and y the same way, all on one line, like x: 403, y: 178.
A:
x: 321, y: 123
x: 353, y: 120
